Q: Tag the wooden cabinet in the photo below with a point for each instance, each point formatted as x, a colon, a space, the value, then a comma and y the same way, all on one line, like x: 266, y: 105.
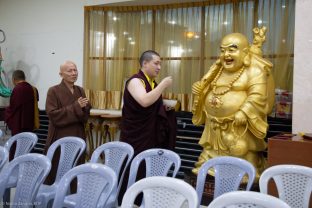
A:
x: 289, y: 149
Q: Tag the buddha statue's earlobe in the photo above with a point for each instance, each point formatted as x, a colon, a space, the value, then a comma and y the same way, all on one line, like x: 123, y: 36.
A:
x: 218, y: 62
x: 247, y: 60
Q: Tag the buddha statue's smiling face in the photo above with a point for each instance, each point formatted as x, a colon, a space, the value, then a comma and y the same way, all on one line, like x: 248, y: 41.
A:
x: 234, y: 48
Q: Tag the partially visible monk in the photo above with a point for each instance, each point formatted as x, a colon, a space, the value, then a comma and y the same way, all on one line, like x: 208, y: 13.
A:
x: 22, y: 115
x: 233, y: 100
x: 68, y: 110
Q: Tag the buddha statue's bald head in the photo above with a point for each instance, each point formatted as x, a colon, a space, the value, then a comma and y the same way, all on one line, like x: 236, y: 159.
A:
x: 234, y: 48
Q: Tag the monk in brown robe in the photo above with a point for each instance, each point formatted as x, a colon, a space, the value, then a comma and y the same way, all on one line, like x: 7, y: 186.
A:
x: 22, y: 115
x: 68, y: 110
x: 146, y: 123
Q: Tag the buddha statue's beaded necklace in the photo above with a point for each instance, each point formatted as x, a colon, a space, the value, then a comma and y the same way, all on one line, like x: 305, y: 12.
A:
x: 216, y: 101
x: 229, y: 86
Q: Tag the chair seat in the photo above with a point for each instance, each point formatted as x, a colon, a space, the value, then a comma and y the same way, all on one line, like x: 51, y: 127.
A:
x: 47, y: 191
x: 70, y: 201
x: 94, y: 181
x: 12, y: 182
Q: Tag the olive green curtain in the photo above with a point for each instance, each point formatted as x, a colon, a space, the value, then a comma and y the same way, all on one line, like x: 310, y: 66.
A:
x: 187, y: 36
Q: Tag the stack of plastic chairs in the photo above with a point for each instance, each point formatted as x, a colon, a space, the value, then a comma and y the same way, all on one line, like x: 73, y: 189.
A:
x: 24, y: 142
x: 32, y: 171
x: 117, y: 155
x: 71, y: 150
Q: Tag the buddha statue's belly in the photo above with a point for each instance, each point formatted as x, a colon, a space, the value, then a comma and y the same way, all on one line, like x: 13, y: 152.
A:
x: 224, y: 105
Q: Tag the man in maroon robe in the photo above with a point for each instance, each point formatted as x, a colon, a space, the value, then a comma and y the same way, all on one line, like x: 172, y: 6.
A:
x: 68, y: 110
x: 146, y: 123
x: 20, y: 115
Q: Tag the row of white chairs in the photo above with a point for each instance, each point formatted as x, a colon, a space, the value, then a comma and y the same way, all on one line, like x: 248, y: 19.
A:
x: 294, y: 183
x: 158, y: 191
x: 228, y: 172
x: 158, y: 162
x: 165, y: 192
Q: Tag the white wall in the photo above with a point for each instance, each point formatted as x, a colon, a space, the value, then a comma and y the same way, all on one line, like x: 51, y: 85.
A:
x: 302, y: 94
x: 40, y: 35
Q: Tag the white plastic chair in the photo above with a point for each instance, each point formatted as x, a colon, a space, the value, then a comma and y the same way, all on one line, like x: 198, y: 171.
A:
x: 228, y: 171
x: 158, y: 163
x: 71, y: 150
x: 94, y: 181
x: 4, y: 157
x: 116, y: 156
x: 293, y: 182
x: 25, y: 142
x: 161, y: 192
x: 32, y: 170
x: 247, y: 199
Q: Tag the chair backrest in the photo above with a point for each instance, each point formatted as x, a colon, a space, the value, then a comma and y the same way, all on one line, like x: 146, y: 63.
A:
x: 158, y: 163
x: 33, y: 169
x: 161, y: 191
x: 4, y: 157
x: 293, y: 182
x: 25, y: 141
x: 94, y: 181
x: 116, y: 155
x: 228, y: 173
x: 247, y: 199
x: 71, y: 149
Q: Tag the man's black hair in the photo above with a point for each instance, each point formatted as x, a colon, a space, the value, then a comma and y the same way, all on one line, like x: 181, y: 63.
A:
x: 147, y: 56
x: 18, y: 75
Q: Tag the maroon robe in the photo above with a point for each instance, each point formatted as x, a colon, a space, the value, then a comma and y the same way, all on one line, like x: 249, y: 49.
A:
x: 19, y: 116
x: 66, y: 118
x: 145, y: 127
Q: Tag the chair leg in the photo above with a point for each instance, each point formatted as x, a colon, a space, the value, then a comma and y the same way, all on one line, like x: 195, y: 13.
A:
x: 6, y: 198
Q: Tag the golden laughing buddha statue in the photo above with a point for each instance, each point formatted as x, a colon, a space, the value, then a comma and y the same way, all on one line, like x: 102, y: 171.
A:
x: 233, y: 100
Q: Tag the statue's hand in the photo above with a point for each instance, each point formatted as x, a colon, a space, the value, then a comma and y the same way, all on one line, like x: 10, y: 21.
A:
x: 240, y: 118
x: 196, y: 88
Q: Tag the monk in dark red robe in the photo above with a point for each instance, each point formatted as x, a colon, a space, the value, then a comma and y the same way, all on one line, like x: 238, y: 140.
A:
x: 146, y: 123
x: 68, y: 110
x: 20, y: 115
